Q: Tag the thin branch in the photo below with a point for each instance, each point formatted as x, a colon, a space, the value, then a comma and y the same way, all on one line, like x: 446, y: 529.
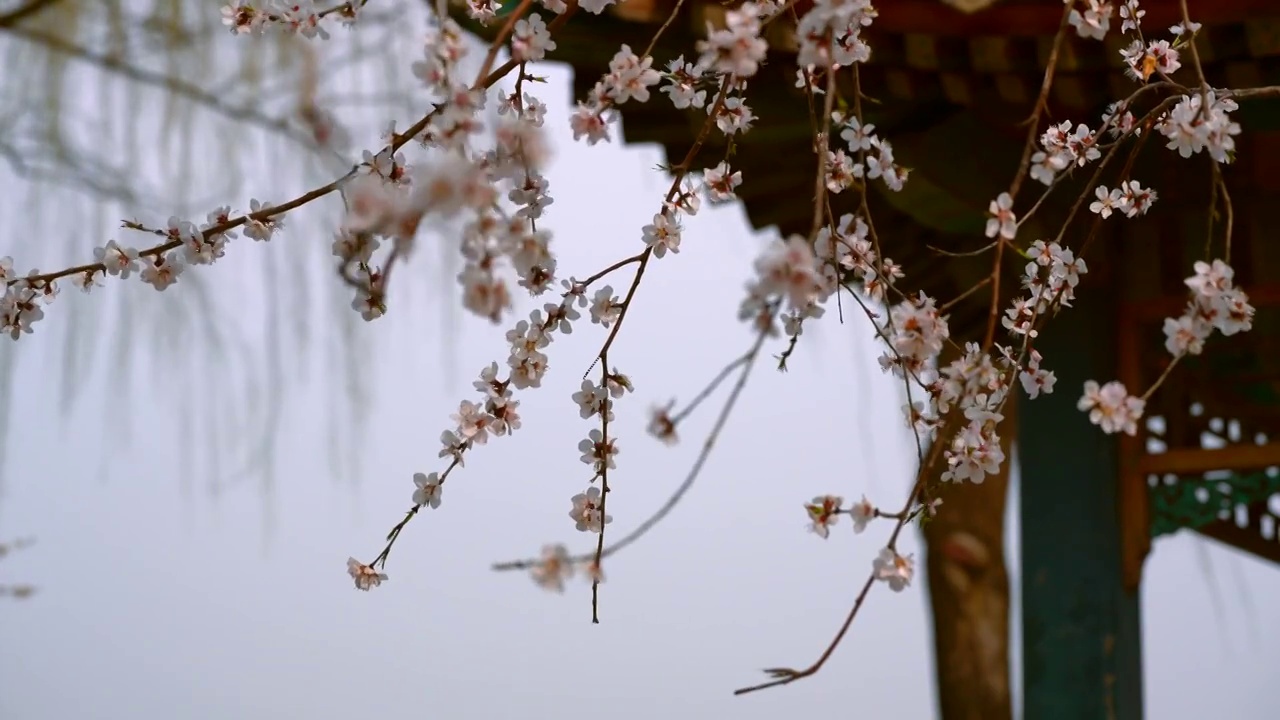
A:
x: 604, y: 490
x: 681, y: 171
x: 786, y: 676
x: 746, y: 362
x: 711, y: 386
x: 653, y: 42
x: 1024, y: 167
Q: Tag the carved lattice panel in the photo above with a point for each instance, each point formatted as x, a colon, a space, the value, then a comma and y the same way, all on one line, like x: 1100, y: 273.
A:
x: 1208, y: 454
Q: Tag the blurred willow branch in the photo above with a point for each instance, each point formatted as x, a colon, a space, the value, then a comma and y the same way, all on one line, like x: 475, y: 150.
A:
x: 22, y: 590
x: 123, y: 103
x: 20, y: 13
x: 176, y: 86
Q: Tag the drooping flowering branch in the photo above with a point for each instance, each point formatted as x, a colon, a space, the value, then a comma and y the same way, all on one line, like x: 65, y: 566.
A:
x: 490, y: 178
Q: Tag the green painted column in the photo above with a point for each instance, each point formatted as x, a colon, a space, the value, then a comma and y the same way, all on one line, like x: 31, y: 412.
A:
x: 1081, y: 637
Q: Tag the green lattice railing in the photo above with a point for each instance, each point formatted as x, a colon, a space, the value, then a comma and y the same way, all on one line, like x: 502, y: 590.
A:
x: 1196, y: 502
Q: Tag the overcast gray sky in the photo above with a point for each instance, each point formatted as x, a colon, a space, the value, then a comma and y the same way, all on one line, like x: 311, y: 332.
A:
x: 160, y: 599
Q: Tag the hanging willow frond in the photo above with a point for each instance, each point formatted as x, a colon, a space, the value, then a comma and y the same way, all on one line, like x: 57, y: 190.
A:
x: 122, y: 109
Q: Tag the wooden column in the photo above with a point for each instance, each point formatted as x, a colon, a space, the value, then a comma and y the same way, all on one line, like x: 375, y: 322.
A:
x: 969, y: 590
x: 1081, y: 633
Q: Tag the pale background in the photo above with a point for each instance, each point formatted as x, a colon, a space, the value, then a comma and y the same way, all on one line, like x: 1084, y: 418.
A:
x: 174, y: 584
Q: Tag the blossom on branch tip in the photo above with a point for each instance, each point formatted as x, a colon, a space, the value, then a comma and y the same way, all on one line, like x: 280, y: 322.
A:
x: 1111, y: 407
x: 662, y: 425
x: 365, y: 576
x: 553, y: 568
x: 630, y: 77
x: 531, y: 40
x: 1131, y: 16
x: 19, y: 309
x: 823, y: 512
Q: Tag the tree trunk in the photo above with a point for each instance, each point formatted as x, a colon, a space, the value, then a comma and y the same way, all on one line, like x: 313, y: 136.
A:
x: 969, y: 591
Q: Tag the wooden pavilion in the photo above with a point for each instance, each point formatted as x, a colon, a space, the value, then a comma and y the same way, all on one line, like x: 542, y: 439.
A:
x: 952, y: 81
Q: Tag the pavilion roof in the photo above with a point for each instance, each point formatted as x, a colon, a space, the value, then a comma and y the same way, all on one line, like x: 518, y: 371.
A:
x: 950, y: 87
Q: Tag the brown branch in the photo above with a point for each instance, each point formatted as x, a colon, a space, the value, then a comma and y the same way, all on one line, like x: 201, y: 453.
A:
x: 823, y: 128
x: 22, y: 12
x: 397, y: 142
x: 604, y: 489
x: 786, y: 676
x: 492, y: 56
x: 1270, y: 92
x: 1024, y: 167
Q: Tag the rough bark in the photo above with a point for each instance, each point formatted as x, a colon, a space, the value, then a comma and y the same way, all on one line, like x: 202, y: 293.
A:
x: 969, y: 592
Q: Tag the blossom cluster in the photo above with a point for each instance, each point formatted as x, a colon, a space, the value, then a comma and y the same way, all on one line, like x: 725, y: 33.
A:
x: 185, y: 244
x: 301, y: 17
x: 1216, y: 304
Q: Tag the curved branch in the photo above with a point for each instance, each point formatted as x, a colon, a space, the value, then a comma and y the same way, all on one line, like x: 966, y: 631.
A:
x: 22, y: 12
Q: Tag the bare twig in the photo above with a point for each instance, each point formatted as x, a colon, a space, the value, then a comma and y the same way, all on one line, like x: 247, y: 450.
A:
x: 745, y: 364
